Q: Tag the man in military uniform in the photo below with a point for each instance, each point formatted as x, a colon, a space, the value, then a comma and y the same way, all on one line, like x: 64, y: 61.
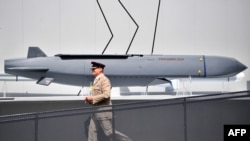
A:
x: 100, y: 95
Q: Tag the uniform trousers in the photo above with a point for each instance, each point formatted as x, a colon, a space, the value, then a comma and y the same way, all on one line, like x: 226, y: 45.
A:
x: 104, y: 125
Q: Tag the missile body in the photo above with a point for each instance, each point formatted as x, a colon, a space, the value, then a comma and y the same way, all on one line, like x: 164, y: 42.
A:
x: 123, y: 70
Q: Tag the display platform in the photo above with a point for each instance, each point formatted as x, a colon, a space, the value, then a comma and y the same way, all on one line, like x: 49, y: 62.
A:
x: 23, y: 103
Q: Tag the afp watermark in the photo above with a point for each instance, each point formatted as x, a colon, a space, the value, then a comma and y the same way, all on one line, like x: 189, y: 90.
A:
x: 236, y: 132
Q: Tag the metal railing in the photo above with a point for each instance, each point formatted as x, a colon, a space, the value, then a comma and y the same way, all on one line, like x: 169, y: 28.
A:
x: 39, y: 122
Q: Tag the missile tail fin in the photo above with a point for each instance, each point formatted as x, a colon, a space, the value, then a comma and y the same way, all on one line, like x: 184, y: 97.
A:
x: 35, y: 52
x: 45, y: 81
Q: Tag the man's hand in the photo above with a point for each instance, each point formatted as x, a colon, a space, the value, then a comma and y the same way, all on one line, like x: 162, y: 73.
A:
x: 89, y: 99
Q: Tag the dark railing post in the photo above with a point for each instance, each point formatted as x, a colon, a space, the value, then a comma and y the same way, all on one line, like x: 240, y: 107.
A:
x: 36, y: 127
x: 113, y: 122
x: 185, y: 119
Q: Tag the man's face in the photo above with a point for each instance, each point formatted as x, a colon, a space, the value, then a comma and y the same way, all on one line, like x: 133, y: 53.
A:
x: 96, y: 71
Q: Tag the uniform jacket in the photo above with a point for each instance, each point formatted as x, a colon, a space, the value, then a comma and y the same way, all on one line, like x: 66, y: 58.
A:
x: 101, y: 90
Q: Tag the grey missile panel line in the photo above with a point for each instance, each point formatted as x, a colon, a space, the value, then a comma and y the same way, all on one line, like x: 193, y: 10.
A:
x: 123, y: 70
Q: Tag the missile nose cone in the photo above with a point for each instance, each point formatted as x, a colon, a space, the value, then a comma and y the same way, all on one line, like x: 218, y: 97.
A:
x: 241, y: 66
x: 218, y: 66
x: 236, y: 66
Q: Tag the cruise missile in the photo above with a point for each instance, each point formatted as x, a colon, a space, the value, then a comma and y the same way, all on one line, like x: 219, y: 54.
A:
x: 122, y: 70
